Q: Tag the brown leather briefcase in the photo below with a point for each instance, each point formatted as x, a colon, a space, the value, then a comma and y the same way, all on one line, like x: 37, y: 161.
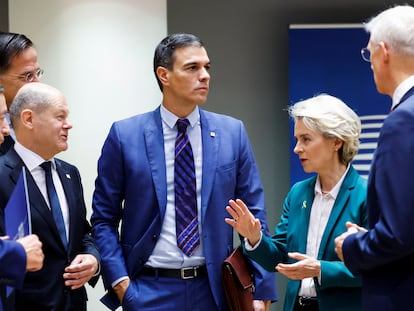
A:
x: 238, y: 282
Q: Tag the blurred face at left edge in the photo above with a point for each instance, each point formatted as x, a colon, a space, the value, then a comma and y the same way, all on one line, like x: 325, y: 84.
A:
x: 4, y: 125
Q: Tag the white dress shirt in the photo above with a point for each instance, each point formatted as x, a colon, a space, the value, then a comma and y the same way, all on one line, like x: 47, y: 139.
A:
x: 32, y: 162
x: 321, y: 210
x: 166, y: 254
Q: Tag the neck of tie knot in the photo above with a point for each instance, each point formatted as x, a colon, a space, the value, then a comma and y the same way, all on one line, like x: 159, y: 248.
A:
x: 47, y: 166
x: 182, y: 125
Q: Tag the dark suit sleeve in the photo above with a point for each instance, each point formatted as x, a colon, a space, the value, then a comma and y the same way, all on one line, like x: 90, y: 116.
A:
x: 250, y: 190
x: 390, y: 199
x: 107, y: 209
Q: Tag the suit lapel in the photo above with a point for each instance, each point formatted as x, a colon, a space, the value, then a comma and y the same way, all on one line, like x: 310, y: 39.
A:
x: 15, y: 164
x: 67, y: 184
x: 36, y: 199
x: 6, y: 145
x: 339, y: 206
x: 304, y: 215
x: 154, y: 142
x: 210, y: 138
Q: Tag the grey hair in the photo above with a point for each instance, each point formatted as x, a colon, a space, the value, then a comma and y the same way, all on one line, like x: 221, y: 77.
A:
x: 331, y: 117
x: 394, y: 26
x: 34, y: 96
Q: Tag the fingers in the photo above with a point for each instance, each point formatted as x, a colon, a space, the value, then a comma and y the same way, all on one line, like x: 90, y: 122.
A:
x: 339, y: 240
x: 80, y: 271
x: 34, y: 252
x: 237, y: 208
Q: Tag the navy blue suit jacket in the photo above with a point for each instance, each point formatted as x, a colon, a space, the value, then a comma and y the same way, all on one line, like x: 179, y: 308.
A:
x: 44, y: 289
x: 131, y: 186
x: 384, y: 256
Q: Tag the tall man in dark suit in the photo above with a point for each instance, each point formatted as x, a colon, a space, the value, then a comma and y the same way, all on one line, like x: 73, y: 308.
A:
x: 384, y: 254
x: 18, y: 66
x: 39, y: 115
x: 143, y: 264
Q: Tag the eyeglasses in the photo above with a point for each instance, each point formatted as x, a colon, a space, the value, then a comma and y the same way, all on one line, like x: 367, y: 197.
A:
x: 366, y: 54
x: 31, y: 75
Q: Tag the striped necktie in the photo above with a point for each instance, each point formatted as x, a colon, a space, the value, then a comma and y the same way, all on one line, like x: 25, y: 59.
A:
x: 188, y: 237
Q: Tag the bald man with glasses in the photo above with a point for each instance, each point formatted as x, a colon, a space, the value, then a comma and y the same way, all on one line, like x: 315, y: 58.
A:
x: 18, y: 66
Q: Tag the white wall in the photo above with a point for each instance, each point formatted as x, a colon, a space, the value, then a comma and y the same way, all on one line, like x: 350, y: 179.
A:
x: 99, y: 54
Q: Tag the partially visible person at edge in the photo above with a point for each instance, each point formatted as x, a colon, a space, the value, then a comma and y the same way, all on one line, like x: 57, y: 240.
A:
x: 39, y: 114
x: 315, y: 211
x: 143, y: 264
x: 384, y: 254
x: 18, y: 66
x: 24, y: 254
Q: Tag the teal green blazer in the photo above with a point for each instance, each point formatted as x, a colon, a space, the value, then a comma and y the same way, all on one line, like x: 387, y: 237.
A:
x: 339, y: 288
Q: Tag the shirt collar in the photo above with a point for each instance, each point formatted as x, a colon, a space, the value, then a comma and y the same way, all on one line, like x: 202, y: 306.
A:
x: 400, y: 91
x: 335, y: 190
x: 171, y: 119
x: 30, y: 159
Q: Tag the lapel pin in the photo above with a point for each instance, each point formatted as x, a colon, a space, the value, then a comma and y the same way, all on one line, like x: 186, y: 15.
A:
x: 304, y: 204
x: 67, y: 176
x: 213, y: 134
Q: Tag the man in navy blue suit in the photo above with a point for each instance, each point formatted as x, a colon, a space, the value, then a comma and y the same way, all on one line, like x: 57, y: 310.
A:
x: 39, y: 115
x: 384, y: 253
x: 25, y: 254
x: 142, y: 266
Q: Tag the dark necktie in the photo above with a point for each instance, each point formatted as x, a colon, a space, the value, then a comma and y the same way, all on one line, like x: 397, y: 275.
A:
x: 54, y: 201
x: 188, y: 238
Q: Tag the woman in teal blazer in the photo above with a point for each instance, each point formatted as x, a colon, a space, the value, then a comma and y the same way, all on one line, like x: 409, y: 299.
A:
x: 314, y: 212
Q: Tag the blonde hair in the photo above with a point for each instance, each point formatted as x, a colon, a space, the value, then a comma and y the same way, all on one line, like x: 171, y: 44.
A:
x: 330, y: 116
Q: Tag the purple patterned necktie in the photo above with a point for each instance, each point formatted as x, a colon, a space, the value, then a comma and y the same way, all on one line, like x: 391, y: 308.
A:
x: 188, y: 238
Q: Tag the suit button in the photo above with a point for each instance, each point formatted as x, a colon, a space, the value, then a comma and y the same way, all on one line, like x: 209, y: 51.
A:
x: 154, y: 237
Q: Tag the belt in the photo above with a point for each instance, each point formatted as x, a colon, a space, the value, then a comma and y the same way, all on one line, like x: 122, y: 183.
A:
x: 307, y: 303
x: 183, y: 273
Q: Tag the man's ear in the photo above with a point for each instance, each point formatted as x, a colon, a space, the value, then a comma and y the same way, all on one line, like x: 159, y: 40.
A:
x: 163, y: 74
x: 385, y: 51
x: 26, y: 118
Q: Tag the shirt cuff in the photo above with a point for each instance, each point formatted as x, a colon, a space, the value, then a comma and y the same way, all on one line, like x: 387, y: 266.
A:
x: 252, y: 247
x: 119, y: 280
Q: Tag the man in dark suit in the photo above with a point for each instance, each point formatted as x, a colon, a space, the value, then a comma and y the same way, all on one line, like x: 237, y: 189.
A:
x: 143, y: 264
x: 39, y: 115
x: 384, y: 254
x: 18, y: 66
x: 16, y: 256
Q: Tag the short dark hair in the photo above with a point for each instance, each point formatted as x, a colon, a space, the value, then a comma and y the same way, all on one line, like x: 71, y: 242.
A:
x: 164, y: 52
x: 11, y: 45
